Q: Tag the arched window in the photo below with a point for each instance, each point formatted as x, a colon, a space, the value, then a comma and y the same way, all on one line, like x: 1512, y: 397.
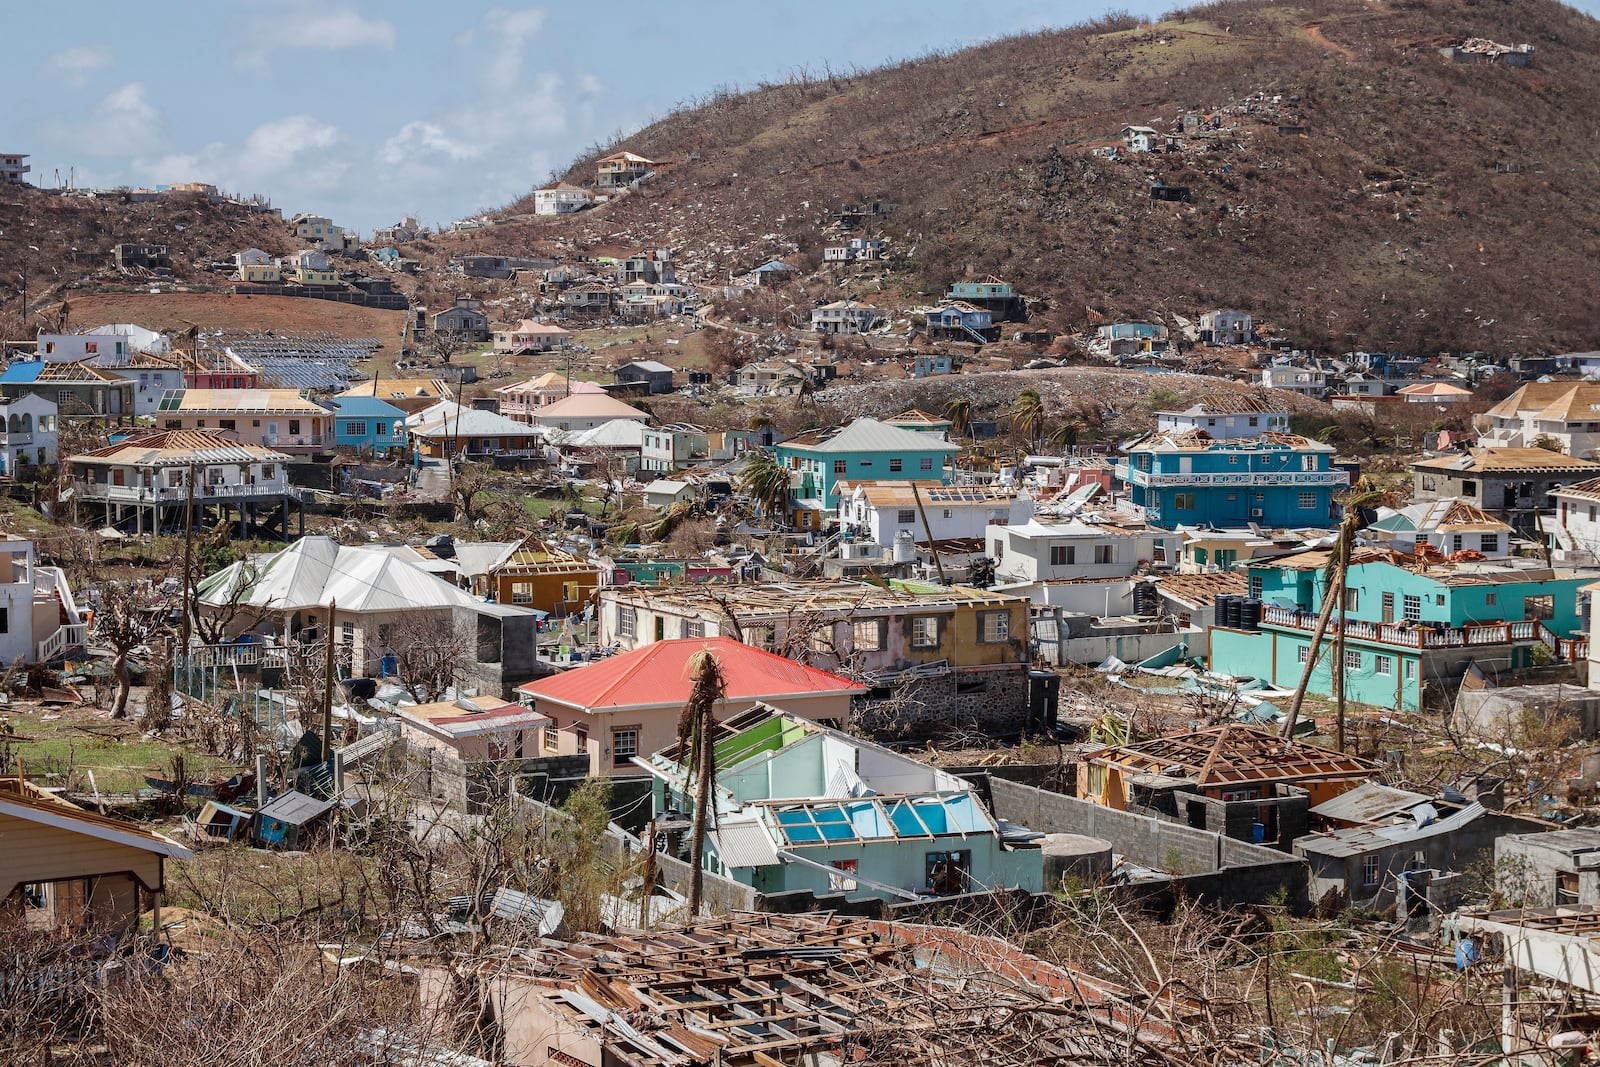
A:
x: 15, y: 424
x: 27, y: 423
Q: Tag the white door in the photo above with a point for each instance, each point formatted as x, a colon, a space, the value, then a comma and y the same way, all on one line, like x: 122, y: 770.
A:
x: 1185, y: 464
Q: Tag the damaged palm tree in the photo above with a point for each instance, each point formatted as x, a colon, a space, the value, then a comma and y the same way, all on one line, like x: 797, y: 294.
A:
x: 696, y: 729
x: 1365, y: 495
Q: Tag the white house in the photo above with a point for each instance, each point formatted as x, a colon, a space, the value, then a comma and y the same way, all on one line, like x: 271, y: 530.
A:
x: 152, y: 377
x: 1140, y: 138
x: 1244, y: 419
x: 668, y: 448
x: 1305, y: 381
x: 38, y: 617
x: 561, y: 199
x: 1577, y: 522
x: 664, y: 492
x: 876, y: 512
x: 1034, y: 551
x: 1565, y: 415
x: 76, y: 347
x: 846, y: 316
x: 1225, y: 327
x: 1450, y: 526
x: 583, y: 411
x: 29, y: 437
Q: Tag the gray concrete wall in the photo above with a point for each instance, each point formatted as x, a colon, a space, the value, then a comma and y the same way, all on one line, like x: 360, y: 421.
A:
x: 992, y: 701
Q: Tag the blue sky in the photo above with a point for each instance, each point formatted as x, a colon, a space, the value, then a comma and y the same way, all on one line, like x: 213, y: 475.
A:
x: 368, y: 111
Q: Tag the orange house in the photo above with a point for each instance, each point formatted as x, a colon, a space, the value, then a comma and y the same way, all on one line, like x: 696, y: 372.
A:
x: 542, y: 576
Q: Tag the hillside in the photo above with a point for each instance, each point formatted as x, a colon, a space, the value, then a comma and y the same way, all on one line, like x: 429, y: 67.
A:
x: 1360, y: 189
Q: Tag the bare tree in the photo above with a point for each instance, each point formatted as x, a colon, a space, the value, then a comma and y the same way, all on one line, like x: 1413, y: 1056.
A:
x: 130, y: 616
x: 432, y: 653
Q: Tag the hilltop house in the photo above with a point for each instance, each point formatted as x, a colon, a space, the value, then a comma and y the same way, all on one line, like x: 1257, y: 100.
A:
x: 1562, y: 416
x: 650, y: 375
x: 1237, y: 780
x: 961, y: 321
x: 79, y: 391
x: 1410, y: 623
x: 529, y: 336
x: 847, y: 316
x: 208, y: 369
x: 622, y: 169
x: 152, y: 376
x: 256, y: 267
x: 1509, y: 483
x: 1435, y: 393
x: 272, y: 418
x: 628, y: 705
x: 865, y: 450
x: 1224, y: 327
x: 82, y: 871
x: 999, y: 298
x: 471, y: 728
x: 541, y: 576
x: 465, y: 321
x: 1141, y: 139
x: 559, y: 198
x: 1132, y: 338
x: 1292, y: 378
x: 1190, y: 477
x: 368, y: 424
x: 857, y: 248
x: 309, y: 266
x: 1035, y: 551
x: 449, y: 430
x: 961, y: 651
x: 669, y: 448
x: 12, y: 168
x: 28, y: 435
x: 802, y: 807
x: 1244, y: 417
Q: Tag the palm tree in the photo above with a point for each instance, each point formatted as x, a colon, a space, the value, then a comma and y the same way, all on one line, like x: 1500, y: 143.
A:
x: 1364, y: 494
x: 1065, y: 436
x: 696, y: 747
x: 767, y: 482
x: 670, y: 520
x: 761, y: 423
x: 959, y: 412
x: 1027, y: 416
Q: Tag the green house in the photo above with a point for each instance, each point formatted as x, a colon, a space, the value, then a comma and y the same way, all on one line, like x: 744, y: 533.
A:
x: 864, y: 451
x: 1411, y: 627
x: 800, y: 807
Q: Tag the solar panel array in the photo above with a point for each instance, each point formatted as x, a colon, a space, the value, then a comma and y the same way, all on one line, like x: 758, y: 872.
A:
x: 317, y: 361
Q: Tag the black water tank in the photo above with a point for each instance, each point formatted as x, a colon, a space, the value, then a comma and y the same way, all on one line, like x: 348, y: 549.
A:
x: 1252, y: 614
x: 1221, y: 613
x: 1146, y: 599
x: 1227, y: 613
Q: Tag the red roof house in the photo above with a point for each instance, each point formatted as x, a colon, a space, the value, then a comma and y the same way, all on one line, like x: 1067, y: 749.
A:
x: 629, y: 705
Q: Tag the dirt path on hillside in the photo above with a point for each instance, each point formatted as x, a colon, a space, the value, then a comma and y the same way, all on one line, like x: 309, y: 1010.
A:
x: 1313, y: 30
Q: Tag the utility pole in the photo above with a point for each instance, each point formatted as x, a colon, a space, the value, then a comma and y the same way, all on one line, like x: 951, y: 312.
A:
x: 933, y: 546
x: 327, y: 688
x: 188, y: 551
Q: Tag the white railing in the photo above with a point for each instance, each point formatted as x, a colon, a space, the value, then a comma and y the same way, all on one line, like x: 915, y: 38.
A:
x: 70, y: 636
x: 177, y: 494
x: 1429, y: 636
x: 294, y: 441
x: 1253, y: 478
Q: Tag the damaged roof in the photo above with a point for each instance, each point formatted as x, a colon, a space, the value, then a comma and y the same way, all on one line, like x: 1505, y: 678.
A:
x: 1234, y: 753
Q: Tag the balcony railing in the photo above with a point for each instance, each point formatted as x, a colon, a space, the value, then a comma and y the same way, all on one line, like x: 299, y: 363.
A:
x: 177, y: 494
x: 294, y: 441
x: 71, y: 636
x: 1426, y: 636
x: 1292, y: 479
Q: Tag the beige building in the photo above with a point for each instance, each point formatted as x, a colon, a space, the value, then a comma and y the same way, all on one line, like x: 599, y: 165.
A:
x: 272, y: 418
x: 75, y: 869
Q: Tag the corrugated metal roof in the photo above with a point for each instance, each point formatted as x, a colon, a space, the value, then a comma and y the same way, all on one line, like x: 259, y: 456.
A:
x: 744, y: 844
x: 1359, y: 840
x: 868, y: 435
x: 1368, y: 802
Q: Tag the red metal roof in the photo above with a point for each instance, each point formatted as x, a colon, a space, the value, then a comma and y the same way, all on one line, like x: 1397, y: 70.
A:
x: 658, y: 674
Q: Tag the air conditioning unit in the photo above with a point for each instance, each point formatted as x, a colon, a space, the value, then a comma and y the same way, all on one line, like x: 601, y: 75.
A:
x: 1257, y: 513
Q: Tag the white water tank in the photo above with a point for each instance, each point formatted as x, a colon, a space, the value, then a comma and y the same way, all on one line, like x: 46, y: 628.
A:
x: 905, y: 547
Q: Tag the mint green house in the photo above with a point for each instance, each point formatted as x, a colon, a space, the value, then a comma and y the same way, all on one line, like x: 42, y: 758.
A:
x: 864, y: 451
x: 800, y: 807
x: 1411, y: 629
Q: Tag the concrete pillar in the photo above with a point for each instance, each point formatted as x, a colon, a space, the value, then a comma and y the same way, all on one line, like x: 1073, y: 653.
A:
x: 261, y: 781
x: 1509, y: 1038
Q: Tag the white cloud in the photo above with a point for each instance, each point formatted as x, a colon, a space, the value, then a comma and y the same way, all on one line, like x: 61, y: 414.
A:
x: 290, y: 159
x: 300, y: 26
x: 510, y: 31
x: 74, y: 65
x: 123, y: 123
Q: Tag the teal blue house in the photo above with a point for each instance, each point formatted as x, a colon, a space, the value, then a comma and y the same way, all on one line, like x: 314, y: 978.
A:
x: 1189, y: 477
x: 366, y: 422
x: 1411, y: 629
x: 864, y: 451
x: 800, y: 807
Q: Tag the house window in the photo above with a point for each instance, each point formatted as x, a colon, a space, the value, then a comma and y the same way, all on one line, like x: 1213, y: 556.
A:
x: 998, y: 551
x: 1104, y: 554
x: 1456, y: 542
x: 1384, y: 665
x: 867, y: 636
x: 1254, y: 421
x: 1369, y: 870
x: 227, y: 424
x: 552, y: 736
x: 522, y: 593
x: 758, y: 636
x: 694, y: 627
x: 1408, y: 669
x: 294, y: 425
x: 945, y: 873
x: 1412, y: 608
x: 925, y: 631
x: 906, y: 516
x: 5, y: 620
x: 1183, y: 501
x: 1308, y: 501
x: 896, y: 464
x: 1489, y: 542
x: 1538, y: 607
x: 1255, y: 586
x: 1308, y: 463
x: 841, y: 881
x: 624, y: 746
x: 62, y: 397
x: 355, y: 428
x: 1352, y: 600
x: 1352, y: 659
x: 581, y: 733
x: 627, y: 621
x: 268, y: 471
x: 1303, y: 653
x: 1062, y: 555
x: 994, y: 627
x: 838, y: 466
x: 925, y: 463
x: 1490, y: 599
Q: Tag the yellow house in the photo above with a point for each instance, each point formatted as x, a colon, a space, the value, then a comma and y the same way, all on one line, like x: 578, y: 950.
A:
x: 260, y: 273
x: 314, y: 276
x: 544, y: 577
x: 622, y: 168
x: 76, y: 869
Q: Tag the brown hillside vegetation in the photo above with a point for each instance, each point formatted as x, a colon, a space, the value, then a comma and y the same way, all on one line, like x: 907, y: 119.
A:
x: 175, y: 312
x: 1374, y: 194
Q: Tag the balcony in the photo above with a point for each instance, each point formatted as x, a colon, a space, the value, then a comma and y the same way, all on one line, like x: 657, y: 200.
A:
x: 297, y: 442
x: 1422, y: 636
x: 1286, y: 479
x: 177, y: 494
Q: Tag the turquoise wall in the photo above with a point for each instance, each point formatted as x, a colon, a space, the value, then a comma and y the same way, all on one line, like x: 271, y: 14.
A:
x: 1274, y: 655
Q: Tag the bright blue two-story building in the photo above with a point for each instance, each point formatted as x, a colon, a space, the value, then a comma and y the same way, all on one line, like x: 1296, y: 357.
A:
x: 1206, y: 467
x: 366, y: 422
